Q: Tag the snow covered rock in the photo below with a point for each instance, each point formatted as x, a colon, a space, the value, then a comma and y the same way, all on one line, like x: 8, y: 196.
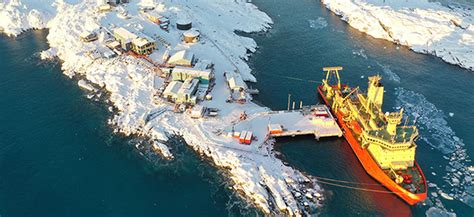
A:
x: 422, y: 25
x: 255, y: 172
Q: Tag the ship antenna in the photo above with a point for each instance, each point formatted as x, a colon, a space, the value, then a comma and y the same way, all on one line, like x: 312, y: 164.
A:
x: 406, y: 120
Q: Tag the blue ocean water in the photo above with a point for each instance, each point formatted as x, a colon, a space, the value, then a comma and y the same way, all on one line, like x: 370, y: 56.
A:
x: 59, y: 158
x: 290, y: 60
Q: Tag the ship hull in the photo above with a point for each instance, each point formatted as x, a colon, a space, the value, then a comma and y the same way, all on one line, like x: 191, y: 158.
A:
x: 370, y: 165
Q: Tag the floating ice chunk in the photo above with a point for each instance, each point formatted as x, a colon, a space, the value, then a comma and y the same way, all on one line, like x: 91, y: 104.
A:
x: 360, y: 52
x: 451, y: 114
x: 429, y: 117
x: 446, y: 196
x: 438, y: 212
x: 389, y: 73
x: 319, y: 23
x: 434, y: 130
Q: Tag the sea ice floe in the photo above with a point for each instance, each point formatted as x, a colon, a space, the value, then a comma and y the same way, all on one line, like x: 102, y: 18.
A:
x: 438, y: 212
x: 318, y: 23
x: 434, y: 130
x: 392, y: 76
x: 360, y: 52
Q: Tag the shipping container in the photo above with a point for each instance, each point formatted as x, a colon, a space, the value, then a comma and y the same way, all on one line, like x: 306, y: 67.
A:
x: 242, y: 136
x: 248, y: 138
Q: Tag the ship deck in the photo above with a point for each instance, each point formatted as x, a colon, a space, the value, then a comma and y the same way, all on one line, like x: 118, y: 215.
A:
x: 417, y: 184
x: 402, y: 135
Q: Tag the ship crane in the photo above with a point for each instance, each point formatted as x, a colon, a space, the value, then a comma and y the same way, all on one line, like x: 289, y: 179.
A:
x: 348, y: 95
x: 333, y: 71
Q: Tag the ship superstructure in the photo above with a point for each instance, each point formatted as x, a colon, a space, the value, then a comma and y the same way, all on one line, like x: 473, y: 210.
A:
x: 383, y: 144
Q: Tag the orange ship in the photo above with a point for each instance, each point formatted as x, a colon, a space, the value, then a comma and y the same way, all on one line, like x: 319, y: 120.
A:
x: 385, y: 148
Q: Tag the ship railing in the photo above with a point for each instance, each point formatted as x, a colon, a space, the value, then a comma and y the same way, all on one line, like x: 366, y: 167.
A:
x: 386, y: 143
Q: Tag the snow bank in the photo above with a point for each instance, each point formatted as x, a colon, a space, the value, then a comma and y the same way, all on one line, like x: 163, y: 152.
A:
x: 17, y: 16
x: 425, y: 27
x: 130, y: 83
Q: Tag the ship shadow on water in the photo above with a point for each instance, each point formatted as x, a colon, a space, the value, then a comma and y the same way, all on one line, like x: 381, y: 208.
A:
x: 333, y: 158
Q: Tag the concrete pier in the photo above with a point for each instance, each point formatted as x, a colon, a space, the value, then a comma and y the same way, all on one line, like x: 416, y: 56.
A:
x: 310, y: 120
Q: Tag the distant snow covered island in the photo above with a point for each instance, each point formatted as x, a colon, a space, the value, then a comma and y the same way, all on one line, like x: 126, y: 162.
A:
x: 424, y: 26
x: 154, y: 58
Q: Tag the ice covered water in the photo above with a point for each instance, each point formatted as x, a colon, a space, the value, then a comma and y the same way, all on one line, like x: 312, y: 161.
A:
x: 389, y: 73
x: 360, y: 52
x: 437, y: 212
x: 428, y: 118
x: 434, y: 130
x: 318, y: 23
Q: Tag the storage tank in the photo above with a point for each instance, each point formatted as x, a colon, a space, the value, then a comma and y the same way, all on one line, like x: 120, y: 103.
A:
x: 191, y: 36
x: 183, y: 24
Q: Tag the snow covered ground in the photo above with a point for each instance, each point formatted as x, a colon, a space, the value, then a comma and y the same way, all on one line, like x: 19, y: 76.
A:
x: 130, y: 83
x: 424, y: 26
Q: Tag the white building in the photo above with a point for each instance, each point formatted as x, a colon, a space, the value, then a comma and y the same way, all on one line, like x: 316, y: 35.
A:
x: 180, y: 73
x: 186, y: 93
x: 235, y: 81
x: 88, y: 36
x: 182, y: 58
x: 125, y: 37
x: 171, y: 91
